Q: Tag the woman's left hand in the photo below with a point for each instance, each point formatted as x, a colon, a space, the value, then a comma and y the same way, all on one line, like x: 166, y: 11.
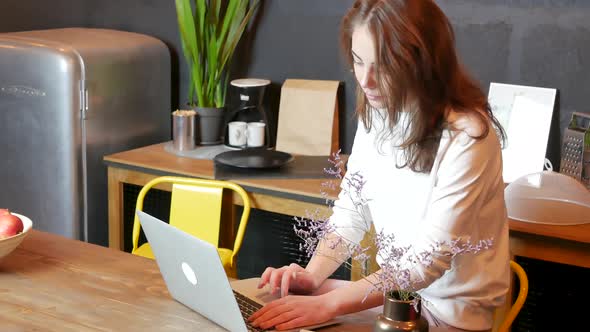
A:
x: 294, y: 311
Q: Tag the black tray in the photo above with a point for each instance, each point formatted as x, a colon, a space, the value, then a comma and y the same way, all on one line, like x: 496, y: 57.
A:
x: 254, y: 158
x: 301, y: 167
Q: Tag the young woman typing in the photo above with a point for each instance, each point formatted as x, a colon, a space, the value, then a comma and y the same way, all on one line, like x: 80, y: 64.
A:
x: 429, y: 150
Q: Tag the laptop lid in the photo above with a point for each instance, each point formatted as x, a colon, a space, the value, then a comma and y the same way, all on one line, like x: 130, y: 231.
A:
x: 193, y: 273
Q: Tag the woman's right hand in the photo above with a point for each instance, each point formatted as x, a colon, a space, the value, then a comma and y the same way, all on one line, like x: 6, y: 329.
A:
x: 292, y: 278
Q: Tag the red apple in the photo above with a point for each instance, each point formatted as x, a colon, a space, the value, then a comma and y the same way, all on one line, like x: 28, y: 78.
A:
x: 10, y: 224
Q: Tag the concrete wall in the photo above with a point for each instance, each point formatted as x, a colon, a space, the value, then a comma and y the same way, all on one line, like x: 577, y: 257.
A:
x: 531, y: 42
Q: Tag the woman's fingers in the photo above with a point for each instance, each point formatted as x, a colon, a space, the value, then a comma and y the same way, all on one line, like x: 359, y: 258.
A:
x: 259, y: 315
x: 289, y: 278
x: 265, y: 277
x: 270, y: 314
x: 284, y: 316
x: 279, y: 279
x: 288, y: 275
x: 297, y: 321
x: 275, y: 279
x: 291, y: 312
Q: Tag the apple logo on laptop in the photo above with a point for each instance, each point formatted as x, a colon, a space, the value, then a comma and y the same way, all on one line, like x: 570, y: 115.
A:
x: 189, y: 273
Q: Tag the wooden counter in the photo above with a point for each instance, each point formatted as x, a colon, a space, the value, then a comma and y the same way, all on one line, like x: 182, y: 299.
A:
x: 298, y: 197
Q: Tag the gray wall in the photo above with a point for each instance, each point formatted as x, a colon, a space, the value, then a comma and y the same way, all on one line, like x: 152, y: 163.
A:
x: 531, y: 42
x: 542, y: 43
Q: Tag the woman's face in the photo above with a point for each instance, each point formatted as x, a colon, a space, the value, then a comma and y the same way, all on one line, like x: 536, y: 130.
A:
x: 363, y: 56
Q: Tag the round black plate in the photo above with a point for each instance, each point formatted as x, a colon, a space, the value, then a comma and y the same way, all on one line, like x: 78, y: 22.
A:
x: 254, y: 158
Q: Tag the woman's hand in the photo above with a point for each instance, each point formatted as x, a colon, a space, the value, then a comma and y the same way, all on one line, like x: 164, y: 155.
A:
x: 294, y: 311
x: 289, y: 278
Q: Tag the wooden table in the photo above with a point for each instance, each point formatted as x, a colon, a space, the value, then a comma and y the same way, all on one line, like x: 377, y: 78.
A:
x: 561, y: 244
x: 51, y: 283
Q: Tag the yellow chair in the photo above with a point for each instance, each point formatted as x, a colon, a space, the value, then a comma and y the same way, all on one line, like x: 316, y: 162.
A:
x: 522, y: 294
x: 195, y: 208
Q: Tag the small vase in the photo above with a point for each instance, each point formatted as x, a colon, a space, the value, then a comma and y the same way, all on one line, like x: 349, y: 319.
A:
x: 399, y: 315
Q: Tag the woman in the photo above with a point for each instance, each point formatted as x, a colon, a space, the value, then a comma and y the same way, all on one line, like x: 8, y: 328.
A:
x: 428, y: 148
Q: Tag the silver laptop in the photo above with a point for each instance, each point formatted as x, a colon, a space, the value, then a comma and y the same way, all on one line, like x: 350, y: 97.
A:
x: 194, y: 275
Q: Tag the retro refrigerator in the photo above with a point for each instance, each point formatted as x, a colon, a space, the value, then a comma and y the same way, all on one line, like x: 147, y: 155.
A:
x: 68, y: 97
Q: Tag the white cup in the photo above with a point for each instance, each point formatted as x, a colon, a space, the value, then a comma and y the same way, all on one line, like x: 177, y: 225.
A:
x: 256, y: 134
x: 237, y: 133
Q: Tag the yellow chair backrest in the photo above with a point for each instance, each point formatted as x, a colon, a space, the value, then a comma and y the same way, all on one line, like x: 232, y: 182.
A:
x: 195, y: 208
x: 520, y: 299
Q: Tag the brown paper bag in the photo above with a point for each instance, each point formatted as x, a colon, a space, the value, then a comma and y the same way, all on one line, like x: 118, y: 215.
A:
x: 308, y: 117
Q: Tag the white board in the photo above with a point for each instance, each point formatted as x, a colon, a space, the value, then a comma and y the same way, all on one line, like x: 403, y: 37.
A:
x: 525, y: 113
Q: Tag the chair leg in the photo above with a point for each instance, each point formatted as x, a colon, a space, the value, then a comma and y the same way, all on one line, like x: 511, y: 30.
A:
x: 502, y: 311
x: 231, y: 272
x: 228, y: 223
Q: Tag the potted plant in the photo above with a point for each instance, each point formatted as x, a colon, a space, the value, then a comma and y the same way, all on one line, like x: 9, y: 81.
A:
x: 209, y: 33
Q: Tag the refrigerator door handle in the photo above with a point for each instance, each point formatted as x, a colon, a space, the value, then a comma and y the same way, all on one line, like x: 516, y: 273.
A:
x: 84, y: 110
x: 83, y: 99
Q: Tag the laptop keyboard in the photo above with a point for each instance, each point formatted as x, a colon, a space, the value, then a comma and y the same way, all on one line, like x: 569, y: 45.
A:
x: 247, y: 307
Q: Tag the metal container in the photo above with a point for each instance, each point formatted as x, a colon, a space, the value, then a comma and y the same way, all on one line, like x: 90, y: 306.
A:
x: 183, y: 130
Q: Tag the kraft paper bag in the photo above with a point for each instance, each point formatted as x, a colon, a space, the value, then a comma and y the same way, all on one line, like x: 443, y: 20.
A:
x: 308, y: 117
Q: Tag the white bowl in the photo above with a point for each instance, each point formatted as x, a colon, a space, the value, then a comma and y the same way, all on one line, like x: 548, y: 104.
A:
x: 8, y: 244
x: 548, y: 198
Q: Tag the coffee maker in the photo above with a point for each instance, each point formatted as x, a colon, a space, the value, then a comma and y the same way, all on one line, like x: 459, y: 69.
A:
x: 248, y: 105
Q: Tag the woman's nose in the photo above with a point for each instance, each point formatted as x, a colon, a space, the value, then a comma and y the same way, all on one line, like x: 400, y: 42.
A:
x: 367, y: 79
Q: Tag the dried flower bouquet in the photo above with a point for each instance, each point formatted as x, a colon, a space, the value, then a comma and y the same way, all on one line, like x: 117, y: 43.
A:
x: 396, y: 262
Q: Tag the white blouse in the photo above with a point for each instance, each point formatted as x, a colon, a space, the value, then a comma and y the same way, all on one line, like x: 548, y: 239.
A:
x: 462, y: 197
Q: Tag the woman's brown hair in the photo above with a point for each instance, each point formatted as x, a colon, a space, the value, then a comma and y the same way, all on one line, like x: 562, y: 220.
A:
x: 418, y: 71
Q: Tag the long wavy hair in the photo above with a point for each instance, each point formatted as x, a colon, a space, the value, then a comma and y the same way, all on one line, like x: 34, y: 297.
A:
x: 418, y: 72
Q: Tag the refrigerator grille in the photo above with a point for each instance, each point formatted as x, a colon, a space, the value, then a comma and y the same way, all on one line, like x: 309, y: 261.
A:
x: 271, y: 241
x: 156, y: 203
x: 553, y: 290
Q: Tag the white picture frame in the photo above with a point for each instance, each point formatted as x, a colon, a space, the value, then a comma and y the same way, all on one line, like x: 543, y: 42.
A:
x: 525, y: 113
